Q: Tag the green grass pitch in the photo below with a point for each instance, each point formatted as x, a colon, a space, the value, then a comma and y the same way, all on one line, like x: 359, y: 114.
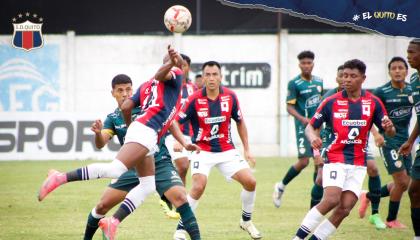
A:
x: 62, y: 215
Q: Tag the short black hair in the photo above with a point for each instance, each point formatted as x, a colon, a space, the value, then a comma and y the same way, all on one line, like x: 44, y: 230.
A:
x: 341, y: 67
x: 186, y: 58
x: 306, y: 54
x: 415, y: 41
x: 198, y: 75
x: 397, y: 59
x: 356, y: 64
x: 121, y: 79
x: 211, y: 63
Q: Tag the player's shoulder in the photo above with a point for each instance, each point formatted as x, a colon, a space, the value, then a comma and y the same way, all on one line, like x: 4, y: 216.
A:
x: 332, y: 98
x: 115, y: 114
x: 369, y: 95
x: 414, y: 77
x: 385, y: 88
x: 317, y: 79
x: 228, y: 91
x: 197, y: 94
x: 296, y: 80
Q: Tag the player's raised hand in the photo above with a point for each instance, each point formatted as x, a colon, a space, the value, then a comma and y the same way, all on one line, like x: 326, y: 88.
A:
x: 405, y: 149
x: 96, y: 126
x: 175, y: 57
x: 192, y: 147
x: 250, y: 159
x: 316, y: 143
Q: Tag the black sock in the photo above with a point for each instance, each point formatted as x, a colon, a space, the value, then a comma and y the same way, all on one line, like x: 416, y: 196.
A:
x: 125, y: 209
x: 393, y: 210
x: 189, y: 221
x: 77, y: 175
x: 374, y: 193
x: 91, y: 227
x: 316, y: 194
x: 415, y: 218
x: 291, y: 173
x: 384, y: 191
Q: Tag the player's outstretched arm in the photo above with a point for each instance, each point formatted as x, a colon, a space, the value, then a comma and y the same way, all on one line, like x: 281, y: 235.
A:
x: 292, y: 111
x: 313, y: 136
x: 101, y: 138
x: 173, y: 58
x: 126, y: 109
x: 243, y: 134
x: 405, y: 149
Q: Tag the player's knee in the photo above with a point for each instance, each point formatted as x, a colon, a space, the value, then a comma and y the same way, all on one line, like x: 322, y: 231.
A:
x: 402, y: 185
x: 179, y: 199
x: 331, y: 201
x: 372, y: 171
x: 343, y: 212
x: 102, y: 208
x: 250, y: 184
x: 414, y: 194
x: 198, y: 188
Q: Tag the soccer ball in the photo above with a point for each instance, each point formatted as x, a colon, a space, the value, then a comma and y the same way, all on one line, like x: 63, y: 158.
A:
x: 177, y: 19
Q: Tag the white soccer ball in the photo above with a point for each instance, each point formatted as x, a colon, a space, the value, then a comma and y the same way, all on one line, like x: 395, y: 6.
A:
x: 177, y: 19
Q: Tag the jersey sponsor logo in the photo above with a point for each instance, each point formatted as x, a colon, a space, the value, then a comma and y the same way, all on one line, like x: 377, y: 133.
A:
x: 351, y: 141
x: 318, y: 115
x: 393, y: 100
x: 215, y: 120
x: 120, y: 126
x: 342, y: 102
x: 202, y: 113
x: 340, y: 115
x: 353, y: 123
x: 400, y: 112
x: 202, y: 101
x: 306, y: 91
x: 313, y: 101
x: 205, y: 138
x: 182, y: 114
x: 225, y: 98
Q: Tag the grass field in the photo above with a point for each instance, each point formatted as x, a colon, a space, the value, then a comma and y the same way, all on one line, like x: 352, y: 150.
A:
x: 62, y: 214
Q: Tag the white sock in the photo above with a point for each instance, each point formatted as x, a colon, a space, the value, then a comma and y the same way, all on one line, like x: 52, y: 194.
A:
x: 281, y: 185
x: 193, y: 203
x: 248, y: 200
x: 96, y: 215
x: 113, y: 169
x: 137, y: 195
x: 416, y: 238
x: 312, y: 219
x: 324, y: 230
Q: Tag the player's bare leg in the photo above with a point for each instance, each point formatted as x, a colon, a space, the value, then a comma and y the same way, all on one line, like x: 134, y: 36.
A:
x: 182, y: 164
x: 293, y: 171
x: 248, y: 182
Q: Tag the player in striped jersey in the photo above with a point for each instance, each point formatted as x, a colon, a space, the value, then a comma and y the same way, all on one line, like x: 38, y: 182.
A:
x: 350, y: 113
x: 210, y: 111
x: 413, y: 57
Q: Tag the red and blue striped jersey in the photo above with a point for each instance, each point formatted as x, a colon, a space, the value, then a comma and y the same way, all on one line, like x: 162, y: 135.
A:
x: 350, y: 122
x: 160, y: 102
x: 210, y: 119
x: 188, y: 88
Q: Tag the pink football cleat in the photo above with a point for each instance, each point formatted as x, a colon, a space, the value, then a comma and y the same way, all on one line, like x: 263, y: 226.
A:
x: 364, y: 204
x: 54, y: 180
x: 109, y: 227
x: 395, y: 224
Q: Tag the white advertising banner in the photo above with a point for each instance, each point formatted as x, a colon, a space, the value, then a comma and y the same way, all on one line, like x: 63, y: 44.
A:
x: 51, y: 136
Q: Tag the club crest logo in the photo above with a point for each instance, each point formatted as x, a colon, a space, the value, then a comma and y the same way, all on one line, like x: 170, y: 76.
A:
x: 27, y: 31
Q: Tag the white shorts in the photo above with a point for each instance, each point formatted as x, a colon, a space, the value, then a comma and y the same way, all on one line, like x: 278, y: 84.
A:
x: 142, y: 134
x: 228, y: 163
x: 170, y: 141
x: 345, y: 176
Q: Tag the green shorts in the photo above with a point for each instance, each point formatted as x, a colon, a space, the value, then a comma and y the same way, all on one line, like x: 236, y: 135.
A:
x: 394, y: 162
x: 303, y: 145
x: 166, y: 177
x: 415, y: 169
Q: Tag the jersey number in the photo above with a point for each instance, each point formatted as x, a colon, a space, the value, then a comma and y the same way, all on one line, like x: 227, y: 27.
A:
x: 151, y: 100
x: 301, y: 143
x: 394, y: 155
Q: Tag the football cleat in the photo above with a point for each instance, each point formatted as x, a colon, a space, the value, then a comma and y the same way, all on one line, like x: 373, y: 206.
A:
x: 376, y: 220
x: 277, y: 194
x: 53, y: 181
x: 249, y: 227
x: 171, y: 214
x: 180, y: 234
x: 109, y: 227
x: 364, y: 204
x: 395, y: 224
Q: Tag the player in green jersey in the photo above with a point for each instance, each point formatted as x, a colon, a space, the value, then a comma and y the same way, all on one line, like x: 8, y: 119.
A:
x: 303, y: 98
x: 413, y: 57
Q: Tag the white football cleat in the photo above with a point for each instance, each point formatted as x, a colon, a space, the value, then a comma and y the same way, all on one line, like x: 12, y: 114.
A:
x: 180, y: 235
x: 277, y: 194
x: 249, y: 227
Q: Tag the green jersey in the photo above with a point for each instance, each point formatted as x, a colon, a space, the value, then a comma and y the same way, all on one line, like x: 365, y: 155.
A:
x: 415, y: 86
x: 399, y: 105
x: 305, y: 95
x: 114, y: 124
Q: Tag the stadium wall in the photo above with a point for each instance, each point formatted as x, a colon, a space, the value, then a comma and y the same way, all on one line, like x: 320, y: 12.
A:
x: 48, y: 96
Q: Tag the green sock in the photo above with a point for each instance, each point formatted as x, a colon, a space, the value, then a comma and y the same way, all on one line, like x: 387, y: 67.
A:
x: 314, y: 176
x: 189, y: 221
x: 91, y: 226
x: 374, y: 193
x: 316, y: 194
x: 384, y: 191
x: 393, y: 210
x: 292, y: 173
